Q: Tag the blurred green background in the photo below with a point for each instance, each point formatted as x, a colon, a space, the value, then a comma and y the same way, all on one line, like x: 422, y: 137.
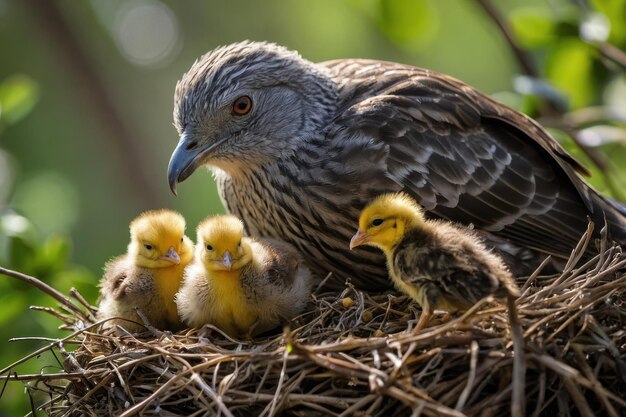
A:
x: 86, y: 94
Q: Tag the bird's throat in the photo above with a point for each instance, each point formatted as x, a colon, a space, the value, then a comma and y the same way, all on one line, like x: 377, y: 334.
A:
x: 167, y: 281
x: 226, y: 283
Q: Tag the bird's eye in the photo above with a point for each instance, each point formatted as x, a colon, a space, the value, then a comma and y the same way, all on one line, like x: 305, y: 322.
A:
x: 149, y: 247
x: 209, y: 247
x: 239, y: 244
x: 242, y: 105
x: 377, y: 222
x: 181, y: 240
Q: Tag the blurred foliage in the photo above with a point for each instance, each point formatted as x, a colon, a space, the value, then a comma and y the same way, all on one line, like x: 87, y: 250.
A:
x: 18, y: 95
x: 567, y: 43
x: 65, y: 195
x: 407, y: 23
x: 23, y: 247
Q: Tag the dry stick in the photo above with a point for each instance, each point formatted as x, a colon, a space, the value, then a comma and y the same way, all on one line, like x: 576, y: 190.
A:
x: 350, y: 411
x: 576, y: 254
x: 50, y: 346
x: 103, y: 382
x: 579, y: 399
x: 62, y: 317
x: 519, y: 363
x: 64, y: 300
x: 293, y: 398
x: 189, y: 371
x: 281, y: 380
x: 535, y: 274
x: 589, y: 374
x: 470, y: 377
x: 74, y: 293
x: 613, y: 53
x: 46, y: 377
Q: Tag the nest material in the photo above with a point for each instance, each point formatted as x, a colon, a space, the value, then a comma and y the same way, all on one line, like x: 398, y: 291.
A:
x: 354, y: 354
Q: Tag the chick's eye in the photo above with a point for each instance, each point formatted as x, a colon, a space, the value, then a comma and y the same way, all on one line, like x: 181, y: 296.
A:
x: 149, y: 247
x: 181, y: 240
x: 377, y: 222
x: 209, y: 247
x: 242, y: 105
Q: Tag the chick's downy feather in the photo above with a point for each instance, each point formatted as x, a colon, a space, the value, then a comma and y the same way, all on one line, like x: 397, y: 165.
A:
x: 241, y: 285
x: 148, y: 276
x: 439, y: 264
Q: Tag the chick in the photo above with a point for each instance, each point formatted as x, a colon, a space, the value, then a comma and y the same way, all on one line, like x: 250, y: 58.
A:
x: 438, y: 264
x: 148, y: 276
x: 242, y: 285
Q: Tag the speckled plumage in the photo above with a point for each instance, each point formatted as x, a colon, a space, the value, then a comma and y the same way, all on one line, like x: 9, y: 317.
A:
x: 323, y: 139
x: 450, y: 266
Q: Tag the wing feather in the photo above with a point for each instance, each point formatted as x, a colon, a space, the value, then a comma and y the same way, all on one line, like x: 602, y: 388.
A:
x: 465, y: 157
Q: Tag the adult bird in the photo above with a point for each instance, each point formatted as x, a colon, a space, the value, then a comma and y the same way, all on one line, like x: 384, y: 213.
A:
x: 298, y: 148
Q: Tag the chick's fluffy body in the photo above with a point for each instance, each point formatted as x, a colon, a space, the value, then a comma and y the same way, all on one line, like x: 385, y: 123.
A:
x: 143, y: 279
x: 439, y: 264
x: 447, y: 267
x: 267, y: 285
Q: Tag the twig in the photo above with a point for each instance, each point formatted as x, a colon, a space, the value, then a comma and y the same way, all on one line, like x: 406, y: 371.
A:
x: 519, y: 362
x: 523, y: 58
x: 64, y: 300
x: 48, y: 18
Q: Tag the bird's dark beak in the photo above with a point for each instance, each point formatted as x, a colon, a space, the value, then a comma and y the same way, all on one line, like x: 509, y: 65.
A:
x: 227, y: 260
x: 184, y: 161
x: 358, y: 239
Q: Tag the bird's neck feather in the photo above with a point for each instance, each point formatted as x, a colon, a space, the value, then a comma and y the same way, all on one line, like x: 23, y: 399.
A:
x: 395, y: 234
x: 167, y: 282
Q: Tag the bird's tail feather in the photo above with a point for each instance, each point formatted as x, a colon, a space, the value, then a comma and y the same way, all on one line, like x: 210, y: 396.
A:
x: 614, y: 214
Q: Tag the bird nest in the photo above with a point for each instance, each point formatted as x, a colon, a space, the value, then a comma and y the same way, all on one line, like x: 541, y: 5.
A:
x: 354, y: 353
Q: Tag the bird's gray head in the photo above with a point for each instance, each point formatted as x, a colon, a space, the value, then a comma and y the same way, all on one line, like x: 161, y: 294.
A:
x: 246, y: 104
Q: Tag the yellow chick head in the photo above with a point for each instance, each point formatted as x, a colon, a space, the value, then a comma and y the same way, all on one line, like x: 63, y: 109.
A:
x: 383, y: 222
x: 157, y: 240
x: 220, y: 244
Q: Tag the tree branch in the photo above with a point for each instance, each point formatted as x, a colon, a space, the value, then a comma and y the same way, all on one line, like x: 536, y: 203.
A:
x: 523, y: 58
x: 48, y: 18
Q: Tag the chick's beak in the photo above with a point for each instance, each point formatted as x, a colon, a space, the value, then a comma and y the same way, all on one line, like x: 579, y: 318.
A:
x: 184, y: 161
x: 227, y: 260
x: 359, y: 239
x: 171, y: 256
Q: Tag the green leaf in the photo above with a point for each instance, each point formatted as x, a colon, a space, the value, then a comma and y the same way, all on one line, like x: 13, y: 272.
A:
x: 18, y: 95
x: 55, y: 253
x: 569, y: 68
x: 533, y: 26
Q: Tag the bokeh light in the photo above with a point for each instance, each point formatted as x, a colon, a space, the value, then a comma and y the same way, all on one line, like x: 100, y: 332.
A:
x: 146, y: 32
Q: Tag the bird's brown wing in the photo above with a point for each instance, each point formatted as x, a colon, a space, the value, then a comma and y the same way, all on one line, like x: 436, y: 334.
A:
x: 463, y: 156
